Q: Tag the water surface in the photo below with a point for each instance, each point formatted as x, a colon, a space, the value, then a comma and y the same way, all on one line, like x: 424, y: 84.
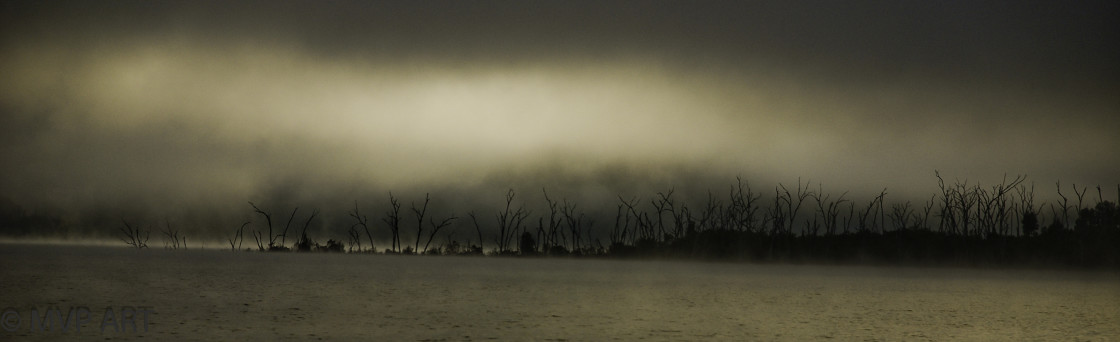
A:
x: 223, y: 295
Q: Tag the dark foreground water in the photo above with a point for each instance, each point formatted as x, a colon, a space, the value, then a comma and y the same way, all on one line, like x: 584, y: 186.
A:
x: 222, y: 295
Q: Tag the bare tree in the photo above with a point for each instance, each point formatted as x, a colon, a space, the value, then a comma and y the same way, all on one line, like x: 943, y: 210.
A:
x: 305, y: 243
x: 900, y: 215
x: 926, y: 210
x: 172, y: 238
x: 643, y: 227
x: 393, y: 219
x: 284, y: 236
x: 618, y: 233
x: 1029, y: 223
x: 1064, y: 203
x: 509, y: 222
x: 552, y: 234
x: 829, y: 210
x: 664, y: 203
x: 420, y: 220
x: 354, y: 238
x: 259, y: 239
x: 478, y: 229
x: 851, y: 214
x: 792, y: 208
x: 435, y: 229
x: 1080, y: 196
x: 966, y: 199
x: 257, y: 234
x: 574, y: 222
x: 947, y: 212
x: 629, y: 212
x: 744, y: 206
x: 235, y: 241
x: 363, y: 221
x: 135, y: 236
x: 776, y: 215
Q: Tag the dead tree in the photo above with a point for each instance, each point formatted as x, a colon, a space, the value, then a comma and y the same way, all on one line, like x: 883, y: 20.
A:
x: 354, y: 238
x: 966, y: 199
x: 618, y: 233
x: 552, y: 234
x: 829, y: 210
x: 900, y: 215
x: 642, y: 223
x: 779, y: 215
x: 509, y: 222
x: 304, y: 243
x: 707, y: 217
x: 863, y: 215
x: 882, y: 213
x: 235, y: 241
x: 1029, y: 222
x: 257, y: 234
x: 393, y: 219
x: 875, y: 206
x: 926, y: 210
x: 792, y: 209
x: 745, y: 206
x: 947, y: 212
x: 1064, y: 203
x: 420, y: 220
x: 172, y: 238
x: 284, y: 236
x: 993, y: 208
x: 851, y: 215
x: 663, y: 203
x: 574, y: 224
x: 363, y: 221
x: 1080, y: 196
x: 259, y: 239
x: 478, y: 229
x: 136, y: 237
x: 435, y: 229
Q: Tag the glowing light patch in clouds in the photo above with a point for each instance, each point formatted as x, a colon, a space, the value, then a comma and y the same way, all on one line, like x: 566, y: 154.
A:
x: 183, y: 104
x: 402, y: 121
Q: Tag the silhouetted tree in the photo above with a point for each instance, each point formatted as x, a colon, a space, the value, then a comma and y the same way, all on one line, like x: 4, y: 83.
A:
x: 829, y: 210
x: 284, y: 236
x: 393, y: 219
x: 304, y: 244
x: 257, y: 233
x: 172, y: 238
x: 477, y: 229
x: 363, y: 222
x: 509, y: 222
x: 238, y: 237
x: 135, y: 236
x: 435, y: 229
x: 574, y: 222
x: 420, y: 220
x: 551, y: 235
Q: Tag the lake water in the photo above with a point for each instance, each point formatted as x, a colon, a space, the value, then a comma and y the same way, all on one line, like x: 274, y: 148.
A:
x: 209, y: 295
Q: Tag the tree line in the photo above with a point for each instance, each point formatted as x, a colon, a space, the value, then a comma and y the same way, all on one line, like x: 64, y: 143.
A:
x: 964, y: 222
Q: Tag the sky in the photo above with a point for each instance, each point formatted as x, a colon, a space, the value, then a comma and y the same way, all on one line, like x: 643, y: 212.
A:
x: 187, y: 110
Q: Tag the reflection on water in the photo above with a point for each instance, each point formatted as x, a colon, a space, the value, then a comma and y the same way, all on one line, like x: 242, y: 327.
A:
x: 207, y: 295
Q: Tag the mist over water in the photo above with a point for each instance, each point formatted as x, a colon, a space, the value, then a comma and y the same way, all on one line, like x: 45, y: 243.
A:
x: 789, y: 140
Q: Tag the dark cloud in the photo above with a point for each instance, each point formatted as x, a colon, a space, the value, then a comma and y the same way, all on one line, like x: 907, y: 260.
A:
x: 194, y: 108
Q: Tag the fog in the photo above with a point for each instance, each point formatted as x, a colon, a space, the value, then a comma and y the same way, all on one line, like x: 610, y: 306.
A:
x: 185, y: 111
